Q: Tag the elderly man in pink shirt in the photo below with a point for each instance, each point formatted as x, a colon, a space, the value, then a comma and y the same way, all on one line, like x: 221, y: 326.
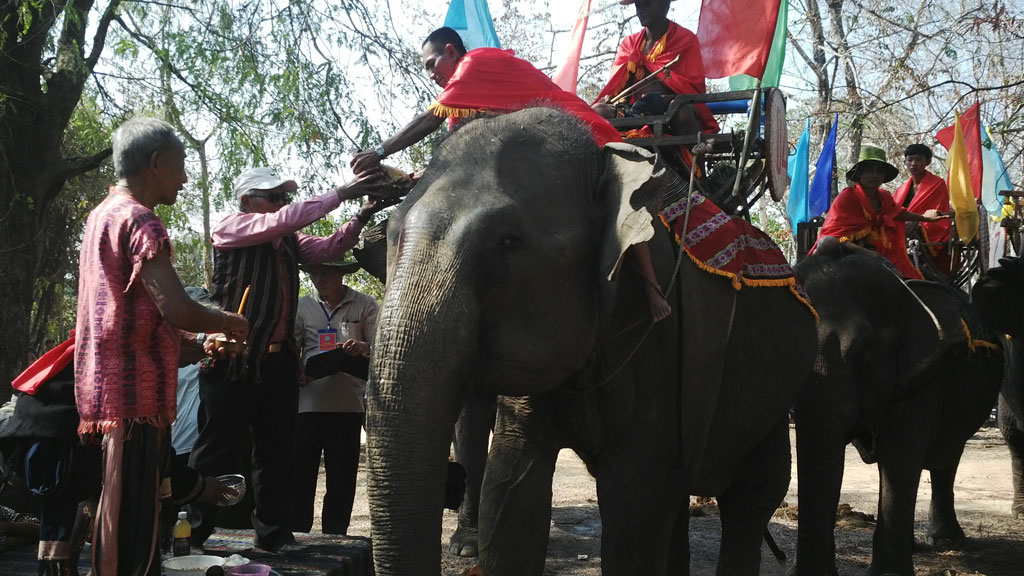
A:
x: 261, y: 247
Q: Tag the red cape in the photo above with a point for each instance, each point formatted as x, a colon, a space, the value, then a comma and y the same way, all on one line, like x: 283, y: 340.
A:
x: 932, y: 193
x: 852, y: 218
x: 687, y: 75
x: 494, y: 80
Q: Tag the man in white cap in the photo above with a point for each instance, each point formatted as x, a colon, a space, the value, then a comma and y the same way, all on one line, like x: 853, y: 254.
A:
x: 260, y: 248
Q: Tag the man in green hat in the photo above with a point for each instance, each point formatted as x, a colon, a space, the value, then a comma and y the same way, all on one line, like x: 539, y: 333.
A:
x: 330, y: 414
x: 865, y: 217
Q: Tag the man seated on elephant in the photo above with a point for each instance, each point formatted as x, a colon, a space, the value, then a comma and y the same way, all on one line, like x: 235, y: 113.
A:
x: 922, y: 191
x: 482, y: 81
x: 489, y: 81
x: 865, y: 217
x: 647, y: 51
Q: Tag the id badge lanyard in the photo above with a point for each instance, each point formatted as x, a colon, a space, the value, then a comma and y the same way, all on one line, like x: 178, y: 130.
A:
x: 329, y: 337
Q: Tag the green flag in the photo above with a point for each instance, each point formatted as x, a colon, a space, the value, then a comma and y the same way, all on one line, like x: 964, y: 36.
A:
x: 776, y: 57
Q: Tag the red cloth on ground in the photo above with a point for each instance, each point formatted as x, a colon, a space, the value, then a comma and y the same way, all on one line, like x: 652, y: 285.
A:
x: 494, y: 80
x: 47, y: 366
x: 687, y: 75
x: 852, y: 218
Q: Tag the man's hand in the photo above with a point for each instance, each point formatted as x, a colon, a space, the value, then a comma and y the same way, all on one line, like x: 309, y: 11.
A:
x: 603, y: 108
x: 235, y: 326
x: 216, y: 493
x: 354, y: 347
x: 934, y: 215
x: 364, y: 184
x: 365, y: 161
x: 215, y: 350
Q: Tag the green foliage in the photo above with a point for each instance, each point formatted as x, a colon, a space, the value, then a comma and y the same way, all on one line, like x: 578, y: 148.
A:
x: 56, y: 285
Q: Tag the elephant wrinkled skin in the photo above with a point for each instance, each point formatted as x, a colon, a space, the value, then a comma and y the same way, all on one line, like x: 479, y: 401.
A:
x: 908, y: 398
x: 498, y: 267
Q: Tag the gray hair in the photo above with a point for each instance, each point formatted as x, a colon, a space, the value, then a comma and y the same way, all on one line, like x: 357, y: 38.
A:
x: 136, y: 140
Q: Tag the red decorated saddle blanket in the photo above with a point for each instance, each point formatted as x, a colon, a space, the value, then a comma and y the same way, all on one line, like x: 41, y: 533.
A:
x: 732, y: 247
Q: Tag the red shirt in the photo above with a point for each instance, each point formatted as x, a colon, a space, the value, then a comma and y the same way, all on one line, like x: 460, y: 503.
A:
x: 931, y: 193
x: 494, y: 80
x: 851, y: 217
x: 687, y: 75
x: 126, y: 354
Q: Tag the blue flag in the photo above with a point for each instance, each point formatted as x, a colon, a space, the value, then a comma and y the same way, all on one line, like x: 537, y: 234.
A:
x: 821, y: 187
x: 799, y: 167
x: 472, y: 20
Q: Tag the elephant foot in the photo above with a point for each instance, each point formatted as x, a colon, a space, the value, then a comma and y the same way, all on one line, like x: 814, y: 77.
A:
x: 795, y: 570
x: 1018, y: 510
x: 947, y: 539
x: 875, y: 571
x: 464, y: 542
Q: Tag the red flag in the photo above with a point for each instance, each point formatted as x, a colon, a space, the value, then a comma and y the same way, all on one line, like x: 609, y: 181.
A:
x: 565, y: 75
x: 736, y: 36
x: 970, y: 123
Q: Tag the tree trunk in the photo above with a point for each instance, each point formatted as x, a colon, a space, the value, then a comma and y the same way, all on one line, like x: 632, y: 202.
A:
x: 39, y: 99
x: 855, y: 104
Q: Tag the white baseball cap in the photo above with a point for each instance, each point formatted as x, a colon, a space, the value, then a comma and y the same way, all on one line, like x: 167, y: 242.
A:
x: 260, y: 179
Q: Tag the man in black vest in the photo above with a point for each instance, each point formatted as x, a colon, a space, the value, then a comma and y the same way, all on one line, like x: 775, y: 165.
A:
x: 259, y: 249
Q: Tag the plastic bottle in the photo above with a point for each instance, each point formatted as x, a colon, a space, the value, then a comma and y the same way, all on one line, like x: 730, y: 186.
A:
x: 182, y: 535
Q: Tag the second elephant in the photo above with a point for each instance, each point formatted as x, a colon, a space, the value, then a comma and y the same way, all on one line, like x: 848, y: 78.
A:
x: 898, y: 375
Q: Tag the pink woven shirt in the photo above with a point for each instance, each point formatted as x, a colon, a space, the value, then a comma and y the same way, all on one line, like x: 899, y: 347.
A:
x: 126, y: 355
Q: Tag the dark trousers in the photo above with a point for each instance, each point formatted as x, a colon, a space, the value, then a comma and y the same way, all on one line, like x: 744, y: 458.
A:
x: 62, y: 520
x: 230, y: 409
x: 124, y: 539
x: 336, y: 435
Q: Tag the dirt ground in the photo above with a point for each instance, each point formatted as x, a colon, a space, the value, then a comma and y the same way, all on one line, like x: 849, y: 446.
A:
x: 995, y: 540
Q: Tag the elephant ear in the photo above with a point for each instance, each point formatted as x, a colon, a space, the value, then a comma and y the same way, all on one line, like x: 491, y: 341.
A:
x: 631, y: 188
x: 373, y: 256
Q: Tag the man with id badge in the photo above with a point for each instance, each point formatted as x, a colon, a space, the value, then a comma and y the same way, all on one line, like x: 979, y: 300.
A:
x: 330, y: 408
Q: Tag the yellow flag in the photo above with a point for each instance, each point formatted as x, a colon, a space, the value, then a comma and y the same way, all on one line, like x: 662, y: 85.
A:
x: 961, y: 194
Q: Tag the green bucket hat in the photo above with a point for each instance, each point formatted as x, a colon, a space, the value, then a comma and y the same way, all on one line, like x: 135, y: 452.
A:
x: 869, y: 153
x: 343, y: 266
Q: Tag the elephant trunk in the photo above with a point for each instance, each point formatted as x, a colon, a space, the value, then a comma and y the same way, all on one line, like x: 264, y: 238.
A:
x: 424, y: 340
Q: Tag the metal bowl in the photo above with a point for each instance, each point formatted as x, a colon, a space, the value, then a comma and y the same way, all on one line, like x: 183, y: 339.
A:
x: 191, y: 565
x: 230, y: 346
x: 235, y: 482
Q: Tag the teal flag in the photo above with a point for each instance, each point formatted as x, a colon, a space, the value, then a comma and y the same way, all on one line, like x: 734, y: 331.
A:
x: 799, y: 169
x: 994, y: 176
x: 472, y: 20
x: 777, y: 56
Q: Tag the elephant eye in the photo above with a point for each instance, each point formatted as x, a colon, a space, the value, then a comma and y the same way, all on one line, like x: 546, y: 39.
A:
x: 508, y: 241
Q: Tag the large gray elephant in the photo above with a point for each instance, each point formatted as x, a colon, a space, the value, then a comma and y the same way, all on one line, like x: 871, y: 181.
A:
x: 498, y: 273
x: 999, y: 296
x: 906, y: 393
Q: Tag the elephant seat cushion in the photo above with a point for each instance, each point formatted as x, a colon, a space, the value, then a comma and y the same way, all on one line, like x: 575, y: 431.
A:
x: 732, y: 247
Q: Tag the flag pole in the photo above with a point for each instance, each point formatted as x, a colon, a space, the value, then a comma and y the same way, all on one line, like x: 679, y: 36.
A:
x: 755, y: 104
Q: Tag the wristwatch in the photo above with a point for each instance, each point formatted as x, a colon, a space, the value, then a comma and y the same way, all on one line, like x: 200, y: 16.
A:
x: 379, y: 149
